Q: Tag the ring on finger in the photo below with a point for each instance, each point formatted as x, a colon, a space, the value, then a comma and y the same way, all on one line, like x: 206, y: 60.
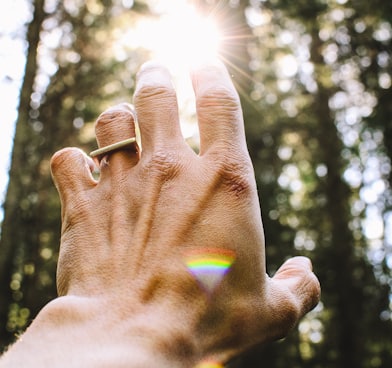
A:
x: 113, y: 147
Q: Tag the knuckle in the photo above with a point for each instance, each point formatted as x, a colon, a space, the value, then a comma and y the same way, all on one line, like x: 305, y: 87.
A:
x: 236, y: 175
x: 160, y: 94
x: 219, y: 98
x: 163, y: 164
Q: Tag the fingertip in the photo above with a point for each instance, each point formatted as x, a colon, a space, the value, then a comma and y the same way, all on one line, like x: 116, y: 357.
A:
x: 150, y: 64
x: 153, y: 72
x: 299, y: 262
x: 115, y: 124
x: 60, y: 157
x: 123, y: 106
x: 70, y: 168
x: 297, y: 274
x: 208, y: 73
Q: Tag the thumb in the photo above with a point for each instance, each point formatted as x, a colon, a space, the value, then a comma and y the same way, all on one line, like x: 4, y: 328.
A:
x: 293, y: 291
x: 71, y: 172
x: 297, y: 276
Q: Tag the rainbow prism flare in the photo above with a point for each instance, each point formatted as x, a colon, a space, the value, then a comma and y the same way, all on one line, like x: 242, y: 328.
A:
x: 209, y: 265
x: 209, y: 364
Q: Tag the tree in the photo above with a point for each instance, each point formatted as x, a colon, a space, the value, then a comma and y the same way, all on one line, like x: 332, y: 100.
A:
x: 13, y: 240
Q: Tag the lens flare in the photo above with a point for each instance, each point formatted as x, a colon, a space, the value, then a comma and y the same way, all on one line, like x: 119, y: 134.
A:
x: 209, y: 364
x: 209, y: 266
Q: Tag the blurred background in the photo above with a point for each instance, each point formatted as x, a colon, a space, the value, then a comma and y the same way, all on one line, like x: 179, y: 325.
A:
x: 315, y: 80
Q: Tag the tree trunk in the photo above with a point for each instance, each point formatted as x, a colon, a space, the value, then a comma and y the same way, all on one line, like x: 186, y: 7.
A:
x: 13, y: 236
x: 338, y: 279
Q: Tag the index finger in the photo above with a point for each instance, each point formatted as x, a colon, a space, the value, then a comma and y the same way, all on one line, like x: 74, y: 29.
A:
x: 218, y: 108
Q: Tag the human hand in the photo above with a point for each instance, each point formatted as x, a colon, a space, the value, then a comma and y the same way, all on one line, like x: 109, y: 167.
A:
x: 129, y: 239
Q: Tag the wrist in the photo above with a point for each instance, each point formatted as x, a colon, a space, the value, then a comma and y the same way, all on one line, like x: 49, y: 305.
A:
x: 74, y: 331
x: 124, y: 337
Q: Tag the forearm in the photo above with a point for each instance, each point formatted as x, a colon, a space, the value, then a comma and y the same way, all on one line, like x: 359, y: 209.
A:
x: 69, y: 332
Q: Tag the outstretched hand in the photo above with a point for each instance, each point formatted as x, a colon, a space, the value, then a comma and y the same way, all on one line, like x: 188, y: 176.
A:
x: 164, y: 253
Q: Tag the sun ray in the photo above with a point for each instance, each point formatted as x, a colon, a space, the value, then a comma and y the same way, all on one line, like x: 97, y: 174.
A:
x: 241, y: 83
x: 182, y: 34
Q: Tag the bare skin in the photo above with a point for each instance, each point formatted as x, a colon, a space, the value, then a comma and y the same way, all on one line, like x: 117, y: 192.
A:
x: 126, y: 295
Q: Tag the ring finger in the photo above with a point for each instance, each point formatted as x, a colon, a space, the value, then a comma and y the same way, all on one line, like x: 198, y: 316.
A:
x: 116, y: 138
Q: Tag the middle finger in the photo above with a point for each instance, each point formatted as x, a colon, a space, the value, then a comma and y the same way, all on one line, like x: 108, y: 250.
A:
x: 157, y: 110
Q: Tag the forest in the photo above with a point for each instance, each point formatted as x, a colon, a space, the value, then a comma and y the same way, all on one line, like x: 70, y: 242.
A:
x: 315, y: 81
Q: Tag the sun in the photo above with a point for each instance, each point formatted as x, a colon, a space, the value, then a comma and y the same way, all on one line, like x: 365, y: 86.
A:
x: 179, y: 36
x: 186, y: 39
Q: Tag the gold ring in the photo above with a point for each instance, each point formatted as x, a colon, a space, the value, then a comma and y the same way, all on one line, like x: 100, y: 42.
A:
x: 113, y: 147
